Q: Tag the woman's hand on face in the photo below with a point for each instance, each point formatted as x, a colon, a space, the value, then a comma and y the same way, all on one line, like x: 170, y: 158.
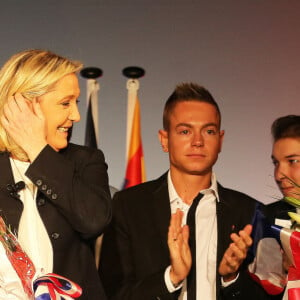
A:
x: 25, y: 123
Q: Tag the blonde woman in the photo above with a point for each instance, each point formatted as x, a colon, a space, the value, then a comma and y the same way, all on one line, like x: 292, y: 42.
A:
x: 54, y: 194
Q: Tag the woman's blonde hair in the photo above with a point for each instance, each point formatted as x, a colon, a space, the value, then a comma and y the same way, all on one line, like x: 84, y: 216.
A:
x: 32, y: 73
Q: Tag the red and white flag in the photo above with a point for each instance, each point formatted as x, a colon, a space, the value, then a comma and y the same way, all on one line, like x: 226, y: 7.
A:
x: 267, y: 266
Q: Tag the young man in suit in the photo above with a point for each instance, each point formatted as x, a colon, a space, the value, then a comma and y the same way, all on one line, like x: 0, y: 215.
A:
x: 286, y: 160
x: 146, y: 252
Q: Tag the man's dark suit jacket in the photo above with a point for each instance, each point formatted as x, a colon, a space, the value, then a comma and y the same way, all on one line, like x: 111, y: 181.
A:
x: 74, y: 203
x: 278, y: 210
x: 135, y: 253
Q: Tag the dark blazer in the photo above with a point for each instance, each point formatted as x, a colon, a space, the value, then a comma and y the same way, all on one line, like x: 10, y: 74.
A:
x: 135, y: 253
x: 278, y: 210
x: 74, y: 203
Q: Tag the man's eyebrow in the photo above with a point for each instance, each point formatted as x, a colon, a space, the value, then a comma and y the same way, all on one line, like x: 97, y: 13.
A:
x: 210, y: 124
x: 288, y: 156
x: 184, y: 124
x: 292, y: 155
x: 190, y: 126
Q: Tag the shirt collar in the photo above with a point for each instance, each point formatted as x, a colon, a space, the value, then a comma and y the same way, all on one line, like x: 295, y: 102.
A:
x: 212, y: 189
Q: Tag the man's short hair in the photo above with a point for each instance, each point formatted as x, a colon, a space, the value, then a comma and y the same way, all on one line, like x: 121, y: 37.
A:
x: 187, y: 92
x: 286, y: 127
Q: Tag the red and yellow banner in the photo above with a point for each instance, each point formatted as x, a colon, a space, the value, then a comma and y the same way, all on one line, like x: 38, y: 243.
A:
x: 135, y: 169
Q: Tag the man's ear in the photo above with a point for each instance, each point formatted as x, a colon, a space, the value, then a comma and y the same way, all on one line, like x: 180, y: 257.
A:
x: 222, y: 133
x: 163, y: 139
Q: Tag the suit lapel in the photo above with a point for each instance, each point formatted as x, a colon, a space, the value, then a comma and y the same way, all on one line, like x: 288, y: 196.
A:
x: 6, y: 174
x: 225, y: 228
x: 10, y: 209
x: 161, y: 208
x: 225, y: 223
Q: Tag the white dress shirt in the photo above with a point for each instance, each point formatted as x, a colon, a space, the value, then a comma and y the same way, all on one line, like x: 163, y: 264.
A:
x: 32, y: 234
x: 206, y: 240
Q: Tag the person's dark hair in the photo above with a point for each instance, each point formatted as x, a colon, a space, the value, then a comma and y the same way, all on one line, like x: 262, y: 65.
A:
x: 286, y: 127
x: 187, y: 92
